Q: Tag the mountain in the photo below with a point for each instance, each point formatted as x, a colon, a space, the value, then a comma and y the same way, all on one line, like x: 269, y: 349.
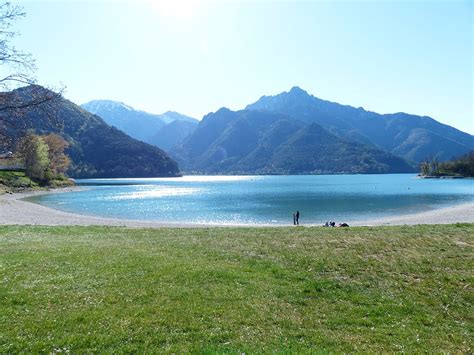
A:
x: 137, y: 124
x: 171, y: 116
x: 141, y: 125
x: 247, y: 142
x: 96, y: 149
x: 412, y: 137
x: 172, y: 134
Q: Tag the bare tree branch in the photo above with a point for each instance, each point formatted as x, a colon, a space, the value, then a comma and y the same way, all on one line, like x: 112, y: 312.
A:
x: 14, y: 102
x: 17, y: 103
x: 9, y: 55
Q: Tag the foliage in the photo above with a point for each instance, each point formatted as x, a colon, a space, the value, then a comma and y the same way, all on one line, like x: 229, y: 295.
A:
x: 18, y: 181
x: 462, y: 166
x: 236, y: 290
x: 60, y: 181
x: 33, y: 150
x: 58, y: 161
x: 44, y: 159
x: 425, y: 169
x: 15, y: 180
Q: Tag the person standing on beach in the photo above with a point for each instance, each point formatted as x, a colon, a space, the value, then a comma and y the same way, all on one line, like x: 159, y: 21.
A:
x: 297, y: 217
x: 294, y: 218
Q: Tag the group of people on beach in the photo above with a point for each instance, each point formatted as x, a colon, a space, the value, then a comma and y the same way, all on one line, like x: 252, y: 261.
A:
x: 296, y: 221
x: 333, y: 224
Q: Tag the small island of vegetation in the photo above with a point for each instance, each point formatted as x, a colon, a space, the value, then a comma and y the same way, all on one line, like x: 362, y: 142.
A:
x: 456, y: 168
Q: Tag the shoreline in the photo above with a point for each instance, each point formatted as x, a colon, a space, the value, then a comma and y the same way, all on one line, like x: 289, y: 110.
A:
x: 15, y: 211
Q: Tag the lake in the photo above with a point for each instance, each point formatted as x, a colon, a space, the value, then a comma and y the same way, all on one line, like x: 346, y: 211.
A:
x: 260, y: 199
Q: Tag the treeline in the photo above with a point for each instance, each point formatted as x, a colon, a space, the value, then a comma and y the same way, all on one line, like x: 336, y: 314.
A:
x: 44, y: 158
x: 462, y: 166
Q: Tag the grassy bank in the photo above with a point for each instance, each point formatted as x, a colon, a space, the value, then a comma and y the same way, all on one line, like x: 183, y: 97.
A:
x: 11, y: 180
x: 16, y: 181
x: 296, y: 289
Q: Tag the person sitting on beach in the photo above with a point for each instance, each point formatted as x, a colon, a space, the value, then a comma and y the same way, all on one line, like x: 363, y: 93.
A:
x: 343, y: 225
x: 326, y: 224
x: 332, y: 223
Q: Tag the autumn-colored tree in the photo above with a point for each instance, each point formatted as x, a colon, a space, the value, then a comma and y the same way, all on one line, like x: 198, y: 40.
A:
x: 34, y: 152
x: 58, y: 161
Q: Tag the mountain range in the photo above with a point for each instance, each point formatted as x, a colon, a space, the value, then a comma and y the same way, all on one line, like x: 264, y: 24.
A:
x: 297, y: 133
x: 415, y: 138
x: 164, y: 130
x: 289, y: 133
x: 95, y: 148
x: 258, y: 142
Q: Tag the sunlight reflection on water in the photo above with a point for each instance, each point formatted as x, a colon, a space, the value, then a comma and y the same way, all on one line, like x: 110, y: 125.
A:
x: 156, y: 192
x: 223, y: 200
x: 191, y: 178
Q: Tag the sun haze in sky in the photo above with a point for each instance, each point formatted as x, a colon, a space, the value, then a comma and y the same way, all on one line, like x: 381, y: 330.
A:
x: 196, y: 56
x: 182, y: 10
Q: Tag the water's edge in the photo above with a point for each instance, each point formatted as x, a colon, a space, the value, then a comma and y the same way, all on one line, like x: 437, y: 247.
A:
x: 249, y: 201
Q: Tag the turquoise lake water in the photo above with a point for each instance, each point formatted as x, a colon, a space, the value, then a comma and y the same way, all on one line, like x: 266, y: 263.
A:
x: 260, y: 199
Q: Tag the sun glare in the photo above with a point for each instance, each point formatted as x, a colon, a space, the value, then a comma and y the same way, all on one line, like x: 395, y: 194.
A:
x: 177, y: 9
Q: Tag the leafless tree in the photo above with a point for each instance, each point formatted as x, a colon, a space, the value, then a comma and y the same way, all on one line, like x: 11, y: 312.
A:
x: 22, y: 64
x: 21, y: 67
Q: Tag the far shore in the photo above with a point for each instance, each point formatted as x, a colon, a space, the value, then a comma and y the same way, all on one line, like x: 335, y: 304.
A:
x: 15, y: 211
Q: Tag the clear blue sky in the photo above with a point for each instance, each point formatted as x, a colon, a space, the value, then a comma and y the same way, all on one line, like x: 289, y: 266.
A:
x: 197, y: 56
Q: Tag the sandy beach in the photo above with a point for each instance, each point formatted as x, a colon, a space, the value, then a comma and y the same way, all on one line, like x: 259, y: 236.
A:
x: 15, y: 211
x: 463, y: 213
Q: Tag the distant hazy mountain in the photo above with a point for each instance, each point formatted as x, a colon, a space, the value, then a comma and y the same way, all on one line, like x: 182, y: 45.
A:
x: 171, y: 116
x: 414, y: 138
x: 137, y: 124
x: 96, y: 149
x: 172, y: 134
x: 268, y: 143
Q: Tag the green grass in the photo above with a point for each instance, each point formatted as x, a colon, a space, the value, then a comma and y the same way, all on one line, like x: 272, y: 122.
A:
x: 102, y: 289
x: 12, y: 180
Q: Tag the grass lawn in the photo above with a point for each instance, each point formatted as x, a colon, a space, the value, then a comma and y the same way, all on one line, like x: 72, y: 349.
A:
x: 106, y: 289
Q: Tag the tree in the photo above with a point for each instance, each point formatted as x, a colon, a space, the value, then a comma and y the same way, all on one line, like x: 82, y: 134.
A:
x: 21, y: 62
x: 21, y: 66
x: 34, y: 152
x: 425, y: 168
x: 58, y: 161
x: 434, y: 167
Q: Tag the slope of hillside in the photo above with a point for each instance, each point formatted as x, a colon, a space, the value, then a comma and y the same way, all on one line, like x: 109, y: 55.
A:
x: 172, y: 134
x: 266, y: 143
x: 96, y: 149
x: 391, y: 132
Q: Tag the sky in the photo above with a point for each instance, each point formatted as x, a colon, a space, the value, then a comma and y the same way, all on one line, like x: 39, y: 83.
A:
x: 196, y: 56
